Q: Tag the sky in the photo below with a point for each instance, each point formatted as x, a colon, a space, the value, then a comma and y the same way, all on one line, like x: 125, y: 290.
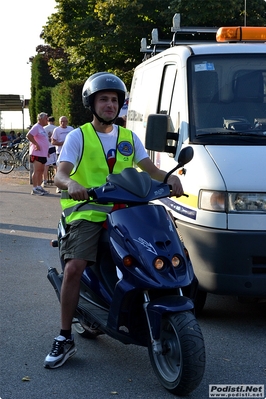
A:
x: 21, y: 25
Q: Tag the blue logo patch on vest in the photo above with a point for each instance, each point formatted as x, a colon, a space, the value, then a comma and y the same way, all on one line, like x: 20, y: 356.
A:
x: 125, y: 148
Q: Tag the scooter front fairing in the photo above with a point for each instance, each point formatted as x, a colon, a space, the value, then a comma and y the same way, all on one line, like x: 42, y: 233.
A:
x: 141, y: 235
x: 147, y: 233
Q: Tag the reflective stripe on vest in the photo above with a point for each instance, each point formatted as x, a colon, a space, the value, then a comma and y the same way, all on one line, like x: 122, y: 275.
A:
x: 87, y: 207
x: 92, y: 171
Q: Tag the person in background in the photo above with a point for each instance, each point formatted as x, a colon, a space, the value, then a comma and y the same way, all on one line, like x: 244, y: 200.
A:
x: 39, y: 146
x: 4, y: 139
x: 89, y: 154
x: 60, y: 133
x: 12, y: 135
x: 120, y: 121
x: 18, y: 139
x: 51, y: 160
x: 59, y: 136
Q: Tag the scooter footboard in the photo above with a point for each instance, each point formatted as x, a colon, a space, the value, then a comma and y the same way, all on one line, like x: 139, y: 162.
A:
x: 168, y: 304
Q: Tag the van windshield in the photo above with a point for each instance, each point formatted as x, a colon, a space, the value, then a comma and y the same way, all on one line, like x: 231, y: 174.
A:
x: 227, y: 98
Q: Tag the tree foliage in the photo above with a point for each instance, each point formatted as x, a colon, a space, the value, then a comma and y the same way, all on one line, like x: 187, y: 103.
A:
x: 41, y: 84
x: 66, y: 100
x: 87, y: 36
x: 97, y: 35
x: 220, y: 13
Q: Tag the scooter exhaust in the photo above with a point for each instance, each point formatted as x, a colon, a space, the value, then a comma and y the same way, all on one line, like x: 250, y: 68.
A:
x: 55, y: 279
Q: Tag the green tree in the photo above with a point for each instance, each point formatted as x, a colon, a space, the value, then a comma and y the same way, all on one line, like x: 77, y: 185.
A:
x: 97, y: 35
x: 101, y: 35
x: 219, y: 12
x: 41, y: 83
x: 67, y: 100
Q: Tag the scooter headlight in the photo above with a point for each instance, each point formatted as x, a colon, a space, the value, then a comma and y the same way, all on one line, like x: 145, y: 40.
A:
x: 176, y: 261
x: 159, y: 263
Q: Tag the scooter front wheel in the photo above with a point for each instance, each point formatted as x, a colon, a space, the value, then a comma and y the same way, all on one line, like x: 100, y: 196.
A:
x: 180, y: 366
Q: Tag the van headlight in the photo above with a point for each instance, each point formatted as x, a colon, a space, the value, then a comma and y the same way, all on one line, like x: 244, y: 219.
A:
x: 212, y: 200
x: 221, y: 201
x: 247, y: 202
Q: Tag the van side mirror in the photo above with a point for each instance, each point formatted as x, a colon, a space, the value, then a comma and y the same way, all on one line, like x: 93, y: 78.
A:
x: 158, y: 135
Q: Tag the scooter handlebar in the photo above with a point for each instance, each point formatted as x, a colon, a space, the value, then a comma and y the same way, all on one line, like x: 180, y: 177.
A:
x: 91, y: 192
x: 183, y: 195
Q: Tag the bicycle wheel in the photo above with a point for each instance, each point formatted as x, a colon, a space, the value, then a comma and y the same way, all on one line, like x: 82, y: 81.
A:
x: 26, y: 160
x: 7, y: 161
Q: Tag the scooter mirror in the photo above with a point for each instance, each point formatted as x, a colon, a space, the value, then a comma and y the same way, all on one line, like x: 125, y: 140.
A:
x: 185, y: 155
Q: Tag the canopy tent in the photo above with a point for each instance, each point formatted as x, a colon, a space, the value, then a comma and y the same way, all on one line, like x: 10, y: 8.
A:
x: 13, y: 102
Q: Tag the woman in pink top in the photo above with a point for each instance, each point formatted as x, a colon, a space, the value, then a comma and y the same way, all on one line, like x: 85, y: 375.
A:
x: 39, y: 146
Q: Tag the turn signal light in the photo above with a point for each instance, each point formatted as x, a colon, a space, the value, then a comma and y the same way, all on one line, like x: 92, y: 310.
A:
x: 128, y: 261
x: 241, y: 33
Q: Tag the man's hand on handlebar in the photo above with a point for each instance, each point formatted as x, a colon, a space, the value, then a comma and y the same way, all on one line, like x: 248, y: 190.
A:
x: 77, y: 192
x: 176, y: 186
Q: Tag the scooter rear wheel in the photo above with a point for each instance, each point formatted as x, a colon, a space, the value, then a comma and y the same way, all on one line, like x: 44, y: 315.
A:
x: 180, y: 366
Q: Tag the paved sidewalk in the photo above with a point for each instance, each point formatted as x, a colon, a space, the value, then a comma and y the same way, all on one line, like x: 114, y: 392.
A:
x: 15, y: 197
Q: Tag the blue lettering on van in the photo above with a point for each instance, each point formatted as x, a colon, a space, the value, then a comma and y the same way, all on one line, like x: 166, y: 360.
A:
x: 192, y: 214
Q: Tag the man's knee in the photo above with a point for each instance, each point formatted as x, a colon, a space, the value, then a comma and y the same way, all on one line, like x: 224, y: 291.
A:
x: 74, y: 268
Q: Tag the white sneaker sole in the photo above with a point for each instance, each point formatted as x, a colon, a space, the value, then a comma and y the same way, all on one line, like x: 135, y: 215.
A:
x: 69, y: 354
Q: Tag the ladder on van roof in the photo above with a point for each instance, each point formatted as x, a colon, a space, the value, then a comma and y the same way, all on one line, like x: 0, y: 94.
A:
x: 184, y: 36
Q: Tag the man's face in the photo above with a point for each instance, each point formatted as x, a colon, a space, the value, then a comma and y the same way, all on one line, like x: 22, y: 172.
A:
x: 63, y: 122
x: 43, y: 121
x: 106, y: 105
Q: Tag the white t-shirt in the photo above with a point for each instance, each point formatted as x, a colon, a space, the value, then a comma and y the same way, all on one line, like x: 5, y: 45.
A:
x: 51, y: 159
x: 59, y: 134
x: 72, y: 148
x: 49, y: 129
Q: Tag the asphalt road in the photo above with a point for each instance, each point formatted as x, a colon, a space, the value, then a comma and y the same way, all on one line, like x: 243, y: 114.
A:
x: 235, y: 333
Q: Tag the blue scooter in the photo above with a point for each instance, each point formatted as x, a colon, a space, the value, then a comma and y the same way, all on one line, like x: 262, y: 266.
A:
x: 142, y: 287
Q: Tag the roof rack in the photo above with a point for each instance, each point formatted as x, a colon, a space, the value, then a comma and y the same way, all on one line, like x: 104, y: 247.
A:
x: 184, y: 35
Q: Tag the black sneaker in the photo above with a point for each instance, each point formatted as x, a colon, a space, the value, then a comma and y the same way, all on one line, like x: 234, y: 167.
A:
x: 62, y: 350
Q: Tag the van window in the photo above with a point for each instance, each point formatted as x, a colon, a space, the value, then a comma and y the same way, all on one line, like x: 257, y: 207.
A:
x: 167, y: 85
x: 227, y: 98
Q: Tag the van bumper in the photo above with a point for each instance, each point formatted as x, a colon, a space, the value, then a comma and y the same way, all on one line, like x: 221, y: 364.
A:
x: 227, y: 262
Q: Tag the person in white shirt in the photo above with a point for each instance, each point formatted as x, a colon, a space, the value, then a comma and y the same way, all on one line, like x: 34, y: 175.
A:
x: 60, y: 133
x: 59, y: 136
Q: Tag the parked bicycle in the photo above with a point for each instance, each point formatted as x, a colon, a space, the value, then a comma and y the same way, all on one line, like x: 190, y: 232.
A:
x: 14, y: 156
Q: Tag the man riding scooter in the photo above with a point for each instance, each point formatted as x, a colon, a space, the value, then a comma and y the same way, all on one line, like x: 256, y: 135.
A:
x: 89, y: 154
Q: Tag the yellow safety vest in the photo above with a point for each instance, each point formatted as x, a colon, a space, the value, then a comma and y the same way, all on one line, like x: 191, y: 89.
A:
x: 92, y: 171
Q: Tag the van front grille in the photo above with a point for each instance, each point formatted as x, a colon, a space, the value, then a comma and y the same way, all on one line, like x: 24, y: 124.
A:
x: 259, y: 264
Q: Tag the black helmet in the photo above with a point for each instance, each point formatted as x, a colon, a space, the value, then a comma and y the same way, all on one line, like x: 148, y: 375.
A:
x: 102, y: 81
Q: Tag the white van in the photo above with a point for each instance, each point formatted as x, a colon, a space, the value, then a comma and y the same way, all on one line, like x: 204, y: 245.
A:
x: 211, y: 96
